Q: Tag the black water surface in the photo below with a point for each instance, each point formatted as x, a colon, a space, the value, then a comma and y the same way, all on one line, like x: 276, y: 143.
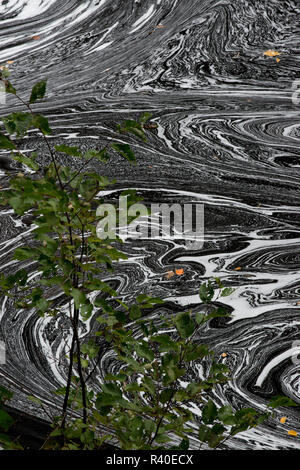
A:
x: 227, y: 135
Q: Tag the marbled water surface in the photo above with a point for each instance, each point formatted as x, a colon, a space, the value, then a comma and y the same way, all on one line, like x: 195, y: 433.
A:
x: 227, y: 136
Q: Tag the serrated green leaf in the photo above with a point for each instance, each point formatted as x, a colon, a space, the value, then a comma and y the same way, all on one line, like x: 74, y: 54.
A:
x: 184, y: 325
x: 6, y: 143
x: 38, y: 91
x: 72, y: 151
x: 125, y: 151
x: 209, y: 412
x: 206, y: 292
x: 279, y: 400
x: 25, y: 161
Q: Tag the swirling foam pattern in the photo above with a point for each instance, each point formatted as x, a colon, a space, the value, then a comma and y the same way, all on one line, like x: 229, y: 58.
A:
x: 227, y: 135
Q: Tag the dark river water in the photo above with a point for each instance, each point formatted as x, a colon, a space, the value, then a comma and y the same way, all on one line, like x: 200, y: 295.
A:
x: 227, y: 136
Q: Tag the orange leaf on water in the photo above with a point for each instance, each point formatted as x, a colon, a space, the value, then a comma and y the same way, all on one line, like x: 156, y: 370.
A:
x: 224, y: 354
x: 10, y: 61
x: 292, y: 433
x: 36, y: 37
x: 271, y: 53
x: 283, y: 419
x: 179, y: 272
x: 237, y: 269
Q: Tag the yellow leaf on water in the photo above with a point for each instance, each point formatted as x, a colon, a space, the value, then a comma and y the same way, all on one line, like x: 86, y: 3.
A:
x: 169, y: 274
x: 292, y: 433
x: 277, y: 60
x: 10, y: 61
x: 237, y: 269
x: 283, y: 419
x: 271, y: 53
x: 224, y: 355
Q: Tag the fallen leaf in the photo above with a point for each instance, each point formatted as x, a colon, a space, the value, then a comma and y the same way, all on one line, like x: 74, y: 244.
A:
x: 224, y: 354
x: 10, y: 61
x: 36, y: 37
x: 169, y: 274
x: 237, y: 269
x: 277, y: 60
x: 298, y: 303
x: 271, y: 53
x: 283, y: 419
x: 160, y: 26
x: 292, y: 433
x: 179, y: 272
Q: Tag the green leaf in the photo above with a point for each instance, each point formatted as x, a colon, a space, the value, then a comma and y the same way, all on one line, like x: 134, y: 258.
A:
x: 145, y: 117
x: 203, y: 433
x: 5, y: 394
x: 143, y: 350
x: 279, y: 400
x: 227, y: 291
x: 166, y: 395
x: 101, y: 155
x: 18, y: 123
x: 35, y: 400
x: 166, y: 341
x: 9, y: 88
x: 135, y: 312
x: 218, y: 429
x: 25, y: 161
x: 79, y: 297
x: 6, y: 143
x: 133, y: 127
x: 143, y: 298
x: 111, y: 389
x: 42, y: 123
x: 184, y: 324
x: 209, y: 413
x: 225, y: 414
x: 22, y: 254
x: 125, y: 151
x: 206, y: 292
x: 38, y: 91
x: 72, y: 151
x: 86, y: 311
x: 87, y: 437
x: 5, y: 420
x: 245, y: 418
x: 162, y: 439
